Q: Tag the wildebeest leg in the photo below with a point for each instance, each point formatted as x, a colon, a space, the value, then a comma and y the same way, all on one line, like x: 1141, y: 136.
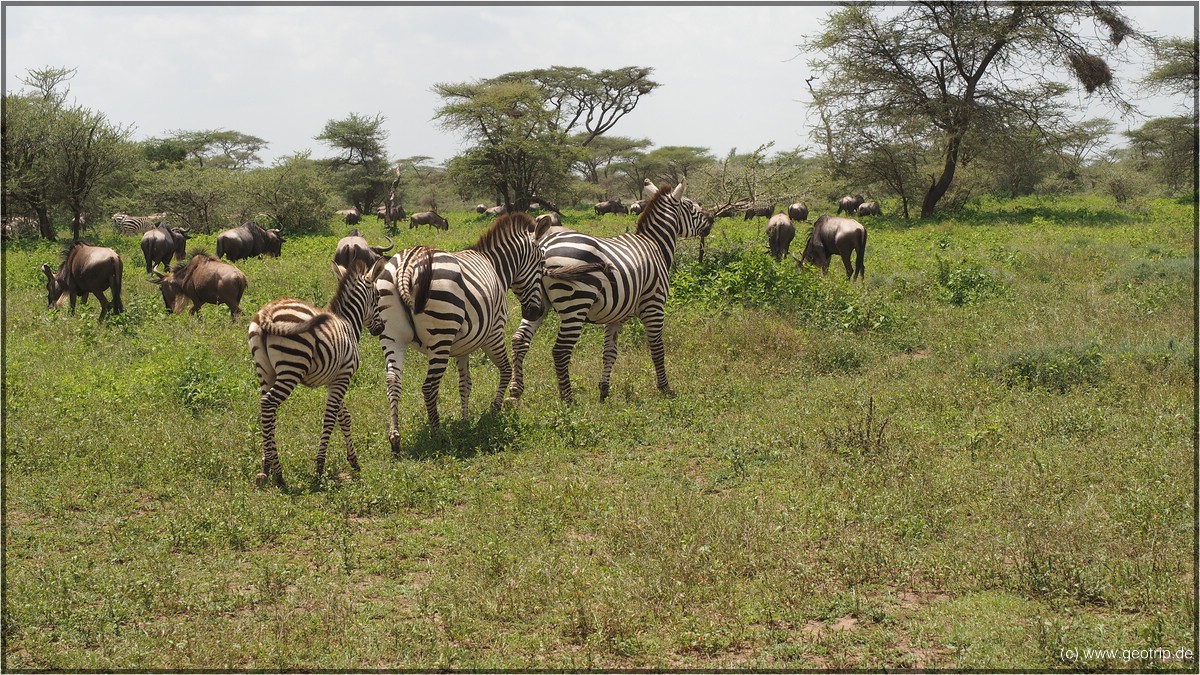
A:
x: 498, y: 353
x: 268, y: 407
x: 569, y: 330
x: 344, y: 423
x: 104, y: 304
x: 610, y: 356
x: 847, y: 265
x: 333, y: 407
x: 433, y: 380
x: 464, y: 383
x: 520, y: 345
x: 652, y: 319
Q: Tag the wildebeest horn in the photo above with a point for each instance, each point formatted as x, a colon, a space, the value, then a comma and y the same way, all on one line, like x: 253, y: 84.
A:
x: 47, y: 270
x: 158, y: 274
x: 381, y: 250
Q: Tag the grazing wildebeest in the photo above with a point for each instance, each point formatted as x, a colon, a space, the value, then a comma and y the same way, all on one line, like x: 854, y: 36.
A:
x: 637, y: 206
x: 726, y: 212
x: 798, y: 212
x: 849, y: 204
x: 481, y: 208
x: 249, y: 240
x: 86, y: 269
x: 496, y: 211
x: 834, y: 235
x: 354, y: 246
x: 868, y: 209
x: 162, y: 243
x: 611, y: 206
x: 430, y: 218
x: 203, y: 278
x: 352, y: 216
x: 780, y: 233
x: 397, y: 212
x: 759, y: 212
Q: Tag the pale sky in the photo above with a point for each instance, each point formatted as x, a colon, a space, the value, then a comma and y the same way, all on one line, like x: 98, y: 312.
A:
x: 731, y: 76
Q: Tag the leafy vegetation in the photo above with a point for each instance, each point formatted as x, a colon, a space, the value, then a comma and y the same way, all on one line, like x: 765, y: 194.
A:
x: 852, y: 476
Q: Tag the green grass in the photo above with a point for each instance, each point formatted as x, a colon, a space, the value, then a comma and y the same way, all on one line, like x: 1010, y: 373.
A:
x: 980, y: 458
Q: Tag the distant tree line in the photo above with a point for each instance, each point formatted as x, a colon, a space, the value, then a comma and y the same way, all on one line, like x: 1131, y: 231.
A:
x: 926, y: 105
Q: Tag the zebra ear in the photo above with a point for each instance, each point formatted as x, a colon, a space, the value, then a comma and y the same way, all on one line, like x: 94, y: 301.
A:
x: 677, y: 193
x: 377, y: 268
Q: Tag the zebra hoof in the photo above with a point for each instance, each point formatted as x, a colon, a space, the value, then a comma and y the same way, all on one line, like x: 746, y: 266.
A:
x: 260, y: 480
x: 668, y: 392
x: 510, y: 402
x: 395, y: 442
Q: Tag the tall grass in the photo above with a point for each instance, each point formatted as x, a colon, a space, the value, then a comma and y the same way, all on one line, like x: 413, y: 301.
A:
x: 981, y: 458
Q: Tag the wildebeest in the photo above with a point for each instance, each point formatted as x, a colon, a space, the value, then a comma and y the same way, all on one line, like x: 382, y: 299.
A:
x: 496, y: 211
x: 547, y: 220
x: 637, y: 206
x: 397, y: 212
x: 162, y: 243
x: 481, y: 208
x: 726, y: 212
x: 759, y: 212
x: 780, y: 233
x: 849, y: 204
x: 86, y: 269
x: 430, y: 218
x: 834, y: 235
x: 203, y: 278
x: 354, y: 246
x: 868, y: 209
x: 249, y: 240
x: 351, y: 216
x: 798, y: 211
x: 611, y: 206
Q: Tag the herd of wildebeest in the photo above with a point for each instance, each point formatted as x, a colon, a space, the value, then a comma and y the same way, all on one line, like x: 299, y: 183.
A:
x: 201, y: 278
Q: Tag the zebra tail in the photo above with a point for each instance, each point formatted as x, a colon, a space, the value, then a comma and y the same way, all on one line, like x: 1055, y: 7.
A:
x: 415, y: 282
x: 577, y: 271
x: 285, y: 328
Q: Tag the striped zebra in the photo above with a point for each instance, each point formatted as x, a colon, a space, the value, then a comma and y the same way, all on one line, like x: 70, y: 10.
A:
x: 295, y: 343
x: 635, y: 284
x: 451, y: 304
x: 127, y: 224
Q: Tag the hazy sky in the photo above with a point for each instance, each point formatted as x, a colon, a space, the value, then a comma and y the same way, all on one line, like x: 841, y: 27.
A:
x: 731, y: 76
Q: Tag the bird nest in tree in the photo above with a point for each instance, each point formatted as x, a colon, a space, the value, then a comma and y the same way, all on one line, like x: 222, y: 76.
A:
x: 1093, y: 72
x: 1118, y: 30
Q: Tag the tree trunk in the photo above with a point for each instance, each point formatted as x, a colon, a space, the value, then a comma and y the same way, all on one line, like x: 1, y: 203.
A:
x: 942, y: 184
x: 45, y: 225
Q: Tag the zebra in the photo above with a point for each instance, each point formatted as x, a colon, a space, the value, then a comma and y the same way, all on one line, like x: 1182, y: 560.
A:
x: 635, y: 283
x: 127, y: 224
x: 452, y: 304
x: 295, y: 343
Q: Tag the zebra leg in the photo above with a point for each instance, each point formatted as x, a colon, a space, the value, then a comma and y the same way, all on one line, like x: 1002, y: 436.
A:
x: 433, y: 380
x: 520, y: 344
x: 333, y: 407
x: 568, y: 334
x: 464, y: 383
x: 652, y: 319
x: 498, y: 353
x: 610, y: 356
x: 344, y: 422
x: 269, y: 404
x: 395, y: 363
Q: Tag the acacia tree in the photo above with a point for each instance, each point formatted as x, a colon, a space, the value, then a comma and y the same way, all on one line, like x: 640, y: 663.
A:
x: 86, y: 150
x: 952, y: 65
x: 360, y: 164
x: 218, y: 148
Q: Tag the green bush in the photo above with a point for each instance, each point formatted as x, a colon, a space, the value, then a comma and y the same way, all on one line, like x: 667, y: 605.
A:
x: 1057, y: 370
x: 965, y: 282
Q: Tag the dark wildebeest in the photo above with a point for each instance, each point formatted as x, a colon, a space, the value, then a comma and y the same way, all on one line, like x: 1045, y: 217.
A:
x: 496, y: 211
x: 86, y: 269
x: 759, y: 212
x: 204, y: 278
x: 637, y: 206
x: 249, y: 240
x: 355, y: 247
x: 397, y: 212
x: 868, y: 209
x: 430, y: 218
x: 834, y: 235
x: 352, y: 216
x: 726, y: 212
x: 849, y: 204
x: 611, y: 206
x: 780, y: 233
x: 481, y: 208
x: 162, y: 243
x: 798, y: 212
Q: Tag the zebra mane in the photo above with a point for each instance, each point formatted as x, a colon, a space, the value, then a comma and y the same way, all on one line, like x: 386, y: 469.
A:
x: 354, y: 270
x: 502, y: 228
x: 648, y: 208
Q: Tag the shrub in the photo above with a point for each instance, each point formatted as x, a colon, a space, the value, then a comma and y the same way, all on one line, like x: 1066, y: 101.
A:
x: 965, y: 282
x: 1055, y: 369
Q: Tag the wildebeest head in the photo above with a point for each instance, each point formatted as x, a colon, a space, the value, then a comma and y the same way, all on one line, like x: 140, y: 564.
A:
x: 814, y: 252
x: 56, y: 286
x: 172, y: 292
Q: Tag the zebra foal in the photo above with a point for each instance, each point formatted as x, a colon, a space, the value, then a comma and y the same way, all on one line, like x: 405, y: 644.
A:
x: 451, y: 304
x: 295, y: 343
x: 630, y: 277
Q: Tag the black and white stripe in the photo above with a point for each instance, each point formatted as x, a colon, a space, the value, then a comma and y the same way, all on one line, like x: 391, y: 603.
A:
x: 295, y: 343
x: 636, y: 283
x: 451, y: 304
x: 127, y: 224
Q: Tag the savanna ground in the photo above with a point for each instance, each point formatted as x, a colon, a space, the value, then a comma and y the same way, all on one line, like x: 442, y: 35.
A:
x: 983, y: 457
